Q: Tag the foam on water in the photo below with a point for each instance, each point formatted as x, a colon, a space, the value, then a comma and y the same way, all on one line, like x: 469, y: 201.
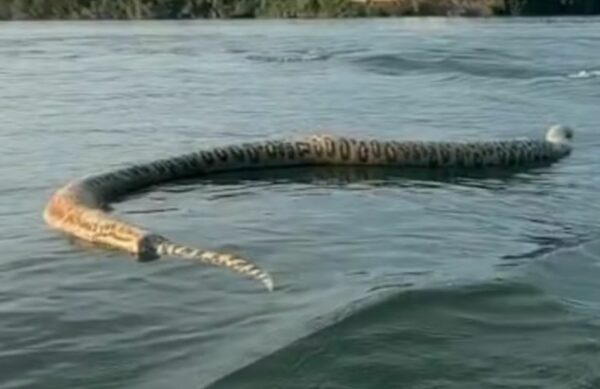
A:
x: 585, y: 74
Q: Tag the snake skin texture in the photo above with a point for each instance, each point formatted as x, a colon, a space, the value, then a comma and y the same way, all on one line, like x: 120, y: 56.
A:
x: 79, y: 208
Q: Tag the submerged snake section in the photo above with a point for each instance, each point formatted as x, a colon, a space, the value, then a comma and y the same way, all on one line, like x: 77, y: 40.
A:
x: 80, y: 208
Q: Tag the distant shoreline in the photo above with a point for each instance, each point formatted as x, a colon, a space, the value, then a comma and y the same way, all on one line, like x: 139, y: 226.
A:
x: 283, y: 9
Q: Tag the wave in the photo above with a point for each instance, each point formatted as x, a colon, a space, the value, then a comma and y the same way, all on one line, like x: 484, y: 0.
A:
x: 293, y: 57
x: 398, y: 65
x: 585, y: 74
x: 484, y: 334
x: 492, y: 333
x: 301, y: 55
x: 546, y: 245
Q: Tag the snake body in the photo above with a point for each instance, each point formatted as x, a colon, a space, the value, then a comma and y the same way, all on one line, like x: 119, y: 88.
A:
x: 79, y: 208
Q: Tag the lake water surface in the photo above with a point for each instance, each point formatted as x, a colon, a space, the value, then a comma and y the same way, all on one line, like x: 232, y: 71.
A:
x: 385, y: 279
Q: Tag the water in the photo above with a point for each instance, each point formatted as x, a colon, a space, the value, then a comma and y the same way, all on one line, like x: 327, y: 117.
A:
x: 385, y: 279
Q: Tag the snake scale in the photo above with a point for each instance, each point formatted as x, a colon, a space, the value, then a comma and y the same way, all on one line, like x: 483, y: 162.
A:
x: 79, y: 208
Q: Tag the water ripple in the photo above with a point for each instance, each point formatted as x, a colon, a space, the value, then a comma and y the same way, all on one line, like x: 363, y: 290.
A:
x: 384, y: 275
x: 399, y: 65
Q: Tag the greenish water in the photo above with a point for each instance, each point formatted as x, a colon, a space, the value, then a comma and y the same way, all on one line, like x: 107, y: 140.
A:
x: 386, y: 279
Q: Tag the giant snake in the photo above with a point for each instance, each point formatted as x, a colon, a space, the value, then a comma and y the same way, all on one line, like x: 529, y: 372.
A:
x: 79, y: 208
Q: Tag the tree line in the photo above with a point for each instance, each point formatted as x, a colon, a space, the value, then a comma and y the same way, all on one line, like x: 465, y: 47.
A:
x: 192, y: 9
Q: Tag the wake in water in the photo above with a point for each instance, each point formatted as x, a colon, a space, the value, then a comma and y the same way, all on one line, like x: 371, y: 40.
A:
x: 450, y: 333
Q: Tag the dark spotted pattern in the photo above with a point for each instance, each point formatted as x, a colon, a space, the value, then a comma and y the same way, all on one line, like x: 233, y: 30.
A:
x: 78, y: 208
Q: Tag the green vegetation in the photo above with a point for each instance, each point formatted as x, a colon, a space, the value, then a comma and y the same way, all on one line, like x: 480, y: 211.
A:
x: 183, y: 9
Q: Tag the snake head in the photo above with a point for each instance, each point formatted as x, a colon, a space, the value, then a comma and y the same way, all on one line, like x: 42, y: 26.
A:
x: 559, y: 134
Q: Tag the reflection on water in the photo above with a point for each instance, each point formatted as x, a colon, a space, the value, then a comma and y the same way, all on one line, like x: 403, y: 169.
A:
x: 340, y: 176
